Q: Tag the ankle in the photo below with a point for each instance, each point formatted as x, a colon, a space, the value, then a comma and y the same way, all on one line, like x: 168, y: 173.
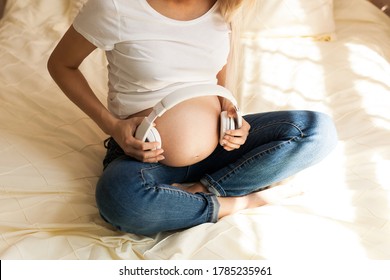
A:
x: 231, y: 205
x: 197, y: 187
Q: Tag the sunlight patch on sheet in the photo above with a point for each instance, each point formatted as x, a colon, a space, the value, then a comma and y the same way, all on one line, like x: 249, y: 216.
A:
x: 282, y: 74
x: 322, y: 238
x: 383, y: 171
x: 326, y: 186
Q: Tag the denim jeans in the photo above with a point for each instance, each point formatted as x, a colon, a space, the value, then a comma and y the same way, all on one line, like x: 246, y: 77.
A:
x: 138, y: 197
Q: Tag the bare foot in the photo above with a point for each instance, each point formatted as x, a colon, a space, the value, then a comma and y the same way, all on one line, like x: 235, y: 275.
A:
x: 192, y: 188
x: 274, y: 195
x: 230, y: 205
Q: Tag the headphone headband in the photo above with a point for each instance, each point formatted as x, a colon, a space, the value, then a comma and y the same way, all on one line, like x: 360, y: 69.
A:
x: 190, y: 92
x: 177, y: 97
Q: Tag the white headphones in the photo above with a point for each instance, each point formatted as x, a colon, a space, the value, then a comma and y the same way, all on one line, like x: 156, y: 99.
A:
x: 146, y: 132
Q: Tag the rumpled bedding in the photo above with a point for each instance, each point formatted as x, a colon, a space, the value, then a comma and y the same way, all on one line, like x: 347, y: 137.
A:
x: 50, y: 152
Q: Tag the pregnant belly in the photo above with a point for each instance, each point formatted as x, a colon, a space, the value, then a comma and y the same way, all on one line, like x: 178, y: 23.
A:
x: 190, y: 131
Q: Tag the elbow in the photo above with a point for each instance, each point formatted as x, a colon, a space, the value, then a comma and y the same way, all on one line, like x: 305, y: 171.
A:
x: 56, y: 70
x: 50, y: 65
x: 55, y: 67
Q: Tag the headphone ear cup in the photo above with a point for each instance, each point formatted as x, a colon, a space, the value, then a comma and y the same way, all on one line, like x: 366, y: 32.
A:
x: 228, y: 124
x: 231, y: 124
x: 225, y: 125
x: 153, y: 136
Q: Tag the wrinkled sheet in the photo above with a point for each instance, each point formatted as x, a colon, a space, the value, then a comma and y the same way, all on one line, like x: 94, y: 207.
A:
x: 50, y: 152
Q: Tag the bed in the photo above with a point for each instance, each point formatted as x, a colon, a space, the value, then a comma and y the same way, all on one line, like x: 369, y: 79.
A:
x: 50, y: 152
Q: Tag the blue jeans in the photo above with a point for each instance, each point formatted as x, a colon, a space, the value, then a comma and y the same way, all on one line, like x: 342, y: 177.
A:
x: 138, y: 197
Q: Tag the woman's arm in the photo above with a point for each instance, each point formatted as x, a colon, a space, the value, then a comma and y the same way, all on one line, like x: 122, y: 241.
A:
x: 2, y: 7
x: 233, y: 139
x: 63, y: 65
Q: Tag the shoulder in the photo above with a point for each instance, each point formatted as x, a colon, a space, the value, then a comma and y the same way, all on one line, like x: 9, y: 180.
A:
x: 98, y: 21
x: 111, y: 8
x: 99, y: 7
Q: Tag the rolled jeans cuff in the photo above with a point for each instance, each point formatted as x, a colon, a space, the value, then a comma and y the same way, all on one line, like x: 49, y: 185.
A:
x: 212, y: 186
x: 214, y: 207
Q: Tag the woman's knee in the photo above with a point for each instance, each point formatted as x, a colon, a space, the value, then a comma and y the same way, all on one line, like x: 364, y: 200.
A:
x: 322, y: 125
x: 120, y: 199
x: 321, y: 132
x: 125, y: 210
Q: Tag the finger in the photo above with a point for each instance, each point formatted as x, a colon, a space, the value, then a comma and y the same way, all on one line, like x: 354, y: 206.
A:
x: 228, y: 149
x: 231, y: 146
x: 146, y: 146
x: 150, y: 156
x: 142, y: 150
x: 233, y: 140
x: 241, y: 132
x: 236, y: 133
x: 232, y: 143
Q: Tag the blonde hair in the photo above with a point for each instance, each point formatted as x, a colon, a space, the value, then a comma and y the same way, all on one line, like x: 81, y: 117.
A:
x: 229, y: 7
x: 231, y: 11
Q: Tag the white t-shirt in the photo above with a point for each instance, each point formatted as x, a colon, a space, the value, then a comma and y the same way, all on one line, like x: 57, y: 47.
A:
x: 151, y: 55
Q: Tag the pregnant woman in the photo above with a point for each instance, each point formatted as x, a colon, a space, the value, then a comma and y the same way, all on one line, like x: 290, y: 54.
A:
x: 155, y: 48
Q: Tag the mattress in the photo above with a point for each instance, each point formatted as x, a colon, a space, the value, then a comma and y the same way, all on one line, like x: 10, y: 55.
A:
x: 51, y: 152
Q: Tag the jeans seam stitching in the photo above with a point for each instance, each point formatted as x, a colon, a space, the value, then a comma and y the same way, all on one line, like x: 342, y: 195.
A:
x: 256, y: 155
x: 296, y: 125
x: 178, y: 191
x: 144, y: 181
x: 274, y: 147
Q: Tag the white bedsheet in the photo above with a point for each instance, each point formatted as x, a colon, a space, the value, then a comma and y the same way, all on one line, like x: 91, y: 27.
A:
x: 50, y: 152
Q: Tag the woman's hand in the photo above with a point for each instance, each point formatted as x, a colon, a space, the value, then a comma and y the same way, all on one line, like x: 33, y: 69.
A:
x: 234, y: 139
x: 123, y: 133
